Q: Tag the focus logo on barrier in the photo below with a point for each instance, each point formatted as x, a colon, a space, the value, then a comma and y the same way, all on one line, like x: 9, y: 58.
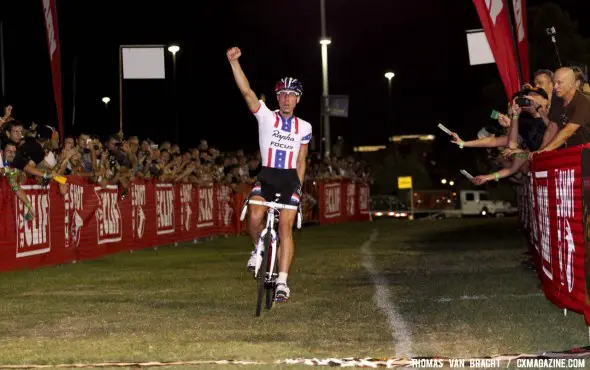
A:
x: 73, y: 222
x: 205, y: 218
x: 350, y: 199
x: 138, y: 215
x: 33, y: 236
x: 332, y: 196
x: 108, y: 215
x: 542, y: 189
x: 564, y: 185
x: 363, y: 200
x: 165, y: 208
x: 186, y: 201
x: 225, y: 205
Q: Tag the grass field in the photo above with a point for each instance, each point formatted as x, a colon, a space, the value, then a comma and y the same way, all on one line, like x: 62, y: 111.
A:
x: 455, y: 287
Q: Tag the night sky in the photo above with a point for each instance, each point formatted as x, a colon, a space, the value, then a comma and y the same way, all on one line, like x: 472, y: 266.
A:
x: 423, y: 42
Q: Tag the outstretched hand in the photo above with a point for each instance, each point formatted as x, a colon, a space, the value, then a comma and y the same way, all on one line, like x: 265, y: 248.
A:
x: 479, y: 180
x: 233, y: 54
x: 455, y: 139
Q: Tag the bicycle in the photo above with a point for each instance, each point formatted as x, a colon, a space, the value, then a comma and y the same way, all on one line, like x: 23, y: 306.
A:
x: 267, y: 273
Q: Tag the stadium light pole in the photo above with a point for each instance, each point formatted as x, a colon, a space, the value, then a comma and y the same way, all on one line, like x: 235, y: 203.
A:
x: 324, y: 42
x: 389, y: 75
x: 174, y: 49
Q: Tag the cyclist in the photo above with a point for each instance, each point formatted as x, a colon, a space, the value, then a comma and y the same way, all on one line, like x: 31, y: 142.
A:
x: 283, y: 140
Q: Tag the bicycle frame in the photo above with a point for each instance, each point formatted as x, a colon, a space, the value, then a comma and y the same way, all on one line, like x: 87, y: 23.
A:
x: 271, y: 215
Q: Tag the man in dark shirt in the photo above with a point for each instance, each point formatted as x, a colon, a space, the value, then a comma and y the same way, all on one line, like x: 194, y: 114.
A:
x: 576, y: 123
x: 553, y: 116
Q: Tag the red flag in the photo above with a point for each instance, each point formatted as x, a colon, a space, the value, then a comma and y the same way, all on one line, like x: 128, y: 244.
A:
x: 520, y: 25
x: 50, y: 14
x: 496, y: 24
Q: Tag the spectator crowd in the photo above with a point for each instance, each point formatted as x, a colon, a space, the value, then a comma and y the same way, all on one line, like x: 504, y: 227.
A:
x: 551, y: 113
x: 37, y: 152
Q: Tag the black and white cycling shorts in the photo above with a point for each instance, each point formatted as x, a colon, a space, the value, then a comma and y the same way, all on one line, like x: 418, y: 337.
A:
x: 278, y: 185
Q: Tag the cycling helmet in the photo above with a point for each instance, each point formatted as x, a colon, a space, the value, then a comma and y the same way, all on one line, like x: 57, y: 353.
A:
x: 289, y: 84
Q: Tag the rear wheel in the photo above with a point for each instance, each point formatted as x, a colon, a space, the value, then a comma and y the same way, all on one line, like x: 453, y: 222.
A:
x: 262, y: 274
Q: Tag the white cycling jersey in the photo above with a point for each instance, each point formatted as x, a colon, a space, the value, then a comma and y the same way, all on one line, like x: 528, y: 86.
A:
x: 280, y: 138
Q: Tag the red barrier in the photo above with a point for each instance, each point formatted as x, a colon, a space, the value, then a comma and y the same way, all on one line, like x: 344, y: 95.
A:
x: 90, y: 221
x: 553, y: 216
x: 342, y: 201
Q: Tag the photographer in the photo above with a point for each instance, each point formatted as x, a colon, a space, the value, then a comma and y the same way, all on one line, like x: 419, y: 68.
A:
x: 527, y: 123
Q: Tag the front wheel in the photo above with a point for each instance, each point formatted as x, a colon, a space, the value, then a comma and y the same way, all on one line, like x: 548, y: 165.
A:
x: 271, y: 287
x: 261, y: 277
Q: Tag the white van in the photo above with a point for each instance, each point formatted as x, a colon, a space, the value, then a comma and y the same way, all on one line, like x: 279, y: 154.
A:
x: 477, y: 202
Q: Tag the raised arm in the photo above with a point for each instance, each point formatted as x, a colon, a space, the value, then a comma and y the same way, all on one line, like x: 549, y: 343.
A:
x: 513, y: 133
x: 517, y: 163
x: 233, y: 55
x: 484, y: 142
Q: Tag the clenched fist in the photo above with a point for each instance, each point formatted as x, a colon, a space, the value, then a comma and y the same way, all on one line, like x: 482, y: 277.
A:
x: 233, y: 54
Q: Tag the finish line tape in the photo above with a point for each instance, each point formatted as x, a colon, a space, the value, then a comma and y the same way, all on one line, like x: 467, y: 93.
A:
x: 577, y: 355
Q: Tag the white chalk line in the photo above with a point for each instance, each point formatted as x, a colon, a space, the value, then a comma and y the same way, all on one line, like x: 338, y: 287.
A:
x: 382, y: 297
x: 477, y: 297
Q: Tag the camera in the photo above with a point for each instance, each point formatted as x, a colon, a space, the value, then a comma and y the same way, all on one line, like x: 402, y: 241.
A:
x: 550, y: 31
x: 522, y: 102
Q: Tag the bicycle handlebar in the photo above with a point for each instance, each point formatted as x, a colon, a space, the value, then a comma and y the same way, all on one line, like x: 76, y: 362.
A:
x: 273, y: 205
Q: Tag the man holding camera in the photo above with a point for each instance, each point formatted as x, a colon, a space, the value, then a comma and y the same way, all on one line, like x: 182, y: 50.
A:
x: 530, y: 127
x: 575, y: 124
